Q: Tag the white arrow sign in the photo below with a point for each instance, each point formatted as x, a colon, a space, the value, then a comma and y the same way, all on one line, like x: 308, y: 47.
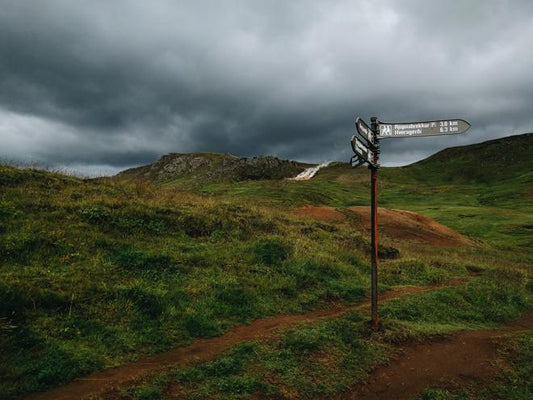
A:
x: 355, y: 161
x: 362, y: 151
x: 364, y: 130
x: 422, y: 128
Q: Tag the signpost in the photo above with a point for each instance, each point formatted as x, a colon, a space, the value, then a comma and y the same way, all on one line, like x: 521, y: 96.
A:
x: 367, y: 151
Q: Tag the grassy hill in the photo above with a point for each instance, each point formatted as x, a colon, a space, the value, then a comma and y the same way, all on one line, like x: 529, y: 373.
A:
x: 96, y: 273
x: 453, y: 186
x: 490, y: 162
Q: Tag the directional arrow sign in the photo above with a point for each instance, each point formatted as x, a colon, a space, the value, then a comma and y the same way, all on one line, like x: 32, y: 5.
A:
x: 355, y: 161
x: 364, y: 130
x: 362, y: 151
x: 422, y: 128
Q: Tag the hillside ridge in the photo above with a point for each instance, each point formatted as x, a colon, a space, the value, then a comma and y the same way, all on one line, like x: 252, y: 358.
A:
x: 493, y: 144
x: 486, y: 162
x: 216, y: 167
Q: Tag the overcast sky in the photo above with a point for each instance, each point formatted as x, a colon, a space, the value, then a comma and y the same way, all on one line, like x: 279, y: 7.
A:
x: 102, y: 85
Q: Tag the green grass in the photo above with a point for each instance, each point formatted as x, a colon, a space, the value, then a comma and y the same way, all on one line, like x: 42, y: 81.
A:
x: 325, y: 358
x: 496, y: 297
x: 309, y: 361
x: 499, y: 214
x: 413, y: 272
x: 97, y: 273
x: 484, y: 191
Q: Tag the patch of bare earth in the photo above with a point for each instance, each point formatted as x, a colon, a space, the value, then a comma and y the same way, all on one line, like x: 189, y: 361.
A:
x: 395, y: 224
x: 465, y: 358
x: 409, y: 225
x: 322, y: 213
x: 202, y: 350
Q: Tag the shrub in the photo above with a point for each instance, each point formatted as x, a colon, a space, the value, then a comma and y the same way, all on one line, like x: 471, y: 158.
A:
x: 57, y: 366
x: 313, y: 273
x: 510, y: 278
x: 346, y: 291
x: 177, y: 296
x: 199, y: 325
x: 235, y: 296
x: 438, y: 394
x: 153, y: 391
x: 197, y: 226
x: 6, y: 325
x: 127, y: 223
x: 271, y: 250
x: 127, y: 220
x: 239, y: 384
x: 96, y: 214
x: 7, y: 210
x: 142, y: 262
x: 21, y: 247
x: 147, y: 303
x: 411, y: 273
x: 235, y: 301
x: 346, y: 331
x: 146, y: 219
x: 388, y: 252
x: 304, y: 340
x: 12, y: 302
x: 50, y: 300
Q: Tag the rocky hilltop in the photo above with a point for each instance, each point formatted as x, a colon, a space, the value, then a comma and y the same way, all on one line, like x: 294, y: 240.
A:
x: 214, y: 167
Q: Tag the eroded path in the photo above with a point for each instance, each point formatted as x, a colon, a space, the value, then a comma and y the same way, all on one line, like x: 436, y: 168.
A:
x: 202, y: 350
x: 463, y: 358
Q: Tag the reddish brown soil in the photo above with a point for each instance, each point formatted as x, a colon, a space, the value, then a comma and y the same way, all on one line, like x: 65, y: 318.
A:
x: 467, y: 357
x: 408, y: 225
x: 201, y: 350
x: 322, y: 213
x: 395, y: 224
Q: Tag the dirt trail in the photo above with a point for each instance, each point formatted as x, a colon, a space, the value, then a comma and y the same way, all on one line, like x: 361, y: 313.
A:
x: 463, y: 358
x: 202, y: 350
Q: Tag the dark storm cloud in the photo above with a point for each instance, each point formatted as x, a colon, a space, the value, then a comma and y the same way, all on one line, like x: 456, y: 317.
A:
x: 110, y: 84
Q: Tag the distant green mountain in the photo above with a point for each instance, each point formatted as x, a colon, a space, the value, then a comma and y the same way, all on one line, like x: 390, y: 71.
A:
x: 488, y: 162
x: 203, y: 168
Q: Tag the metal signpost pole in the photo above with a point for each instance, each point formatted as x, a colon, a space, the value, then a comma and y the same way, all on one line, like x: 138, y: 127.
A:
x: 366, y: 150
x: 374, y: 224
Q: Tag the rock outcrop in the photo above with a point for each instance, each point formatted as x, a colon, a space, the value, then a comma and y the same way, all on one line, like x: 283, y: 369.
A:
x: 214, y: 167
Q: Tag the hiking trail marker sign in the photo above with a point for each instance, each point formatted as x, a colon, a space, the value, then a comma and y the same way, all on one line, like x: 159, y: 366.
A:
x: 423, y: 128
x: 366, y: 150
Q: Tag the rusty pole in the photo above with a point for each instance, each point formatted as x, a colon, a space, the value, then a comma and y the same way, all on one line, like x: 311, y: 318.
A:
x: 374, y: 227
